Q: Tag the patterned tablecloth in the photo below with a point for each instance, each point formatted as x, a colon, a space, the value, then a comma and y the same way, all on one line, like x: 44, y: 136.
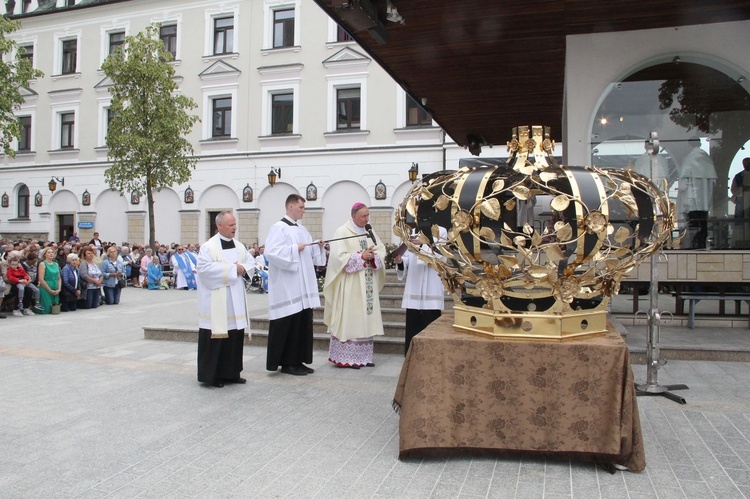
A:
x: 573, y: 399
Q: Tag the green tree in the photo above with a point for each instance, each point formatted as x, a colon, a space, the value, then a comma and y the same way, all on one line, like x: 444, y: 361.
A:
x: 14, y: 75
x: 146, y: 137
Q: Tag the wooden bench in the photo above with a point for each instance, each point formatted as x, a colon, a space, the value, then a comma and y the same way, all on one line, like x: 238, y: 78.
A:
x: 693, y: 298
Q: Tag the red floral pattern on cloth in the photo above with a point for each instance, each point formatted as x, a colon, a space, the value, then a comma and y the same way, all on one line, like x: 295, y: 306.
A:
x: 574, y: 399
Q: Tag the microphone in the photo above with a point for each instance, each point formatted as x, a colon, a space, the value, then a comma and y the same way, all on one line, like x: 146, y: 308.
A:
x: 370, y: 234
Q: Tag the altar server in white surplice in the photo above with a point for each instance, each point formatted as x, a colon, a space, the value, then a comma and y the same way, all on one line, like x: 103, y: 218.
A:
x: 222, y: 309
x: 292, y: 291
x: 424, y: 294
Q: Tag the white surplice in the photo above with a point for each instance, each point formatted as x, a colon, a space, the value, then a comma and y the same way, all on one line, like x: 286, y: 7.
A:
x: 423, y: 290
x: 292, y: 285
x: 220, y: 273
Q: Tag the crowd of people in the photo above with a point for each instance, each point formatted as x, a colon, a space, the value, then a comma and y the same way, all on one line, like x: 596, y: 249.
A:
x: 51, y: 277
x: 38, y: 277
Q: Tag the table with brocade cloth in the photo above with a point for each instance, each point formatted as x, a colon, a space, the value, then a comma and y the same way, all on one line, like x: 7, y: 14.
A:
x: 573, y: 399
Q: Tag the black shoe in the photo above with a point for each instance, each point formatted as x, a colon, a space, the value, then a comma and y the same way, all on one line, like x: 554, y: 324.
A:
x: 239, y: 380
x: 370, y: 364
x: 293, y: 370
x: 218, y: 384
x: 308, y: 370
x: 353, y: 367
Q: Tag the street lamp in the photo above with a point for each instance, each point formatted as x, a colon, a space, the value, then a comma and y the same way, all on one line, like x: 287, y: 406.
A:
x: 53, y: 185
x: 272, y: 175
x: 413, y: 172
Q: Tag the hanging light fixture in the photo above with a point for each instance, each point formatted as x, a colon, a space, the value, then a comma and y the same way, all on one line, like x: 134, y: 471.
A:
x: 272, y: 175
x: 53, y: 185
x: 413, y: 172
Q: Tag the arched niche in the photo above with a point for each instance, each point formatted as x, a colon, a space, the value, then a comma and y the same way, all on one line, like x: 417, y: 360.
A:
x: 338, y: 200
x: 215, y: 199
x: 64, y: 201
x: 271, y: 205
x: 167, y: 207
x: 111, y: 221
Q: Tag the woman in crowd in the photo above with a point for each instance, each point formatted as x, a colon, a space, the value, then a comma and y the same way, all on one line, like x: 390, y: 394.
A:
x: 163, y: 257
x: 112, y: 270
x: 128, y: 264
x: 154, y: 273
x: 145, y: 262
x: 135, y: 271
x: 61, y: 258
x: 71, y: 284
x: 91, y: 279
x: 49, y: 280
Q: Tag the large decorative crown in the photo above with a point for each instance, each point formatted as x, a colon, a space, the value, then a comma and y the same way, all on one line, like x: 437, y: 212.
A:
x: 534, y: 249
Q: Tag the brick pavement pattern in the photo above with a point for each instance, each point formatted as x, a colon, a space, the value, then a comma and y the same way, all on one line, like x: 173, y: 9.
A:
x: 90, y: 409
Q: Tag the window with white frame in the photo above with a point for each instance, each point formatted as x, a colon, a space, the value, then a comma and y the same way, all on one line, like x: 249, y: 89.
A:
x: 116, y: 40
x: 22, y: 200
x: 337, y: 34
x: 67, y: 130
x: 348, y: 110
x: 283, y: 28
x: 280, y: 101
x: 69, y: 56
x: 415, y: 114
x: 282, y: 24
x: 24, y: 142
x: 168, y: 36
x: 221, y: 117
x: 105, y: 118
x: 223, y: 35
x: 282, y: 113
x: 26, y: 51
x: 221, y: 31
x: 25, y: 6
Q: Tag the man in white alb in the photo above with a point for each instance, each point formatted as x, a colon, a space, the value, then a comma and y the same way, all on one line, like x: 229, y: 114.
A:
x: 292, y: 291
x: 222, y: 309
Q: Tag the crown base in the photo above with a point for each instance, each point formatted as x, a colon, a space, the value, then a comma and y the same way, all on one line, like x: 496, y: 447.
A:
x: 529, y: 325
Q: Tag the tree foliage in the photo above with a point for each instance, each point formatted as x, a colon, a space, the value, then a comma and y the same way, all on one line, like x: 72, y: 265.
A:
x: 146, y: 137
x: 14, y: 74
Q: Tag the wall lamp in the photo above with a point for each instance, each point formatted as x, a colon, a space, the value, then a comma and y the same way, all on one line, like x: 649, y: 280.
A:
x: 275, y: 172
x: 413, y: 172
x: 53, y: 185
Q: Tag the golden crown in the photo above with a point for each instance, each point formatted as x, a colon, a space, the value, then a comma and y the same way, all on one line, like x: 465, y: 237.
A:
x: 534, y: 249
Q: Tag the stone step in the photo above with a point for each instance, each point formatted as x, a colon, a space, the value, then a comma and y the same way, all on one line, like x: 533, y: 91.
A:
x: 388, y: 314
x: 393, y: 329
x: 395, y: 343
x: 394, y: 301
x: 259, y: 337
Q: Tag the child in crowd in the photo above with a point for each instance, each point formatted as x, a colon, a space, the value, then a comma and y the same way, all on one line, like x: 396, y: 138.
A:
x: 18, y: 277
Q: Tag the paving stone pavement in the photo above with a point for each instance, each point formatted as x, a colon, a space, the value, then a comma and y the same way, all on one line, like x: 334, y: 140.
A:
x: 88, y: 408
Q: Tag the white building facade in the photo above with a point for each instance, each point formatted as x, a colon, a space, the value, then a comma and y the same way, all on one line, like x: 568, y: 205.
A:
x: 278, y: 86
x: 268, y: 76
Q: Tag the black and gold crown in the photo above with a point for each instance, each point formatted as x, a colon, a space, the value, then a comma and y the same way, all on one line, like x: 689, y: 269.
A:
x: 519, y: 275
